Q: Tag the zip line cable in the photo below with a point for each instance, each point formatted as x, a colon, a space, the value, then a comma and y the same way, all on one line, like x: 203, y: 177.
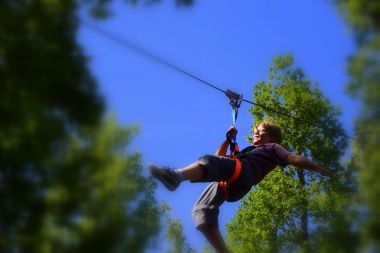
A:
x: 132, y: 46
x: 125, y: 43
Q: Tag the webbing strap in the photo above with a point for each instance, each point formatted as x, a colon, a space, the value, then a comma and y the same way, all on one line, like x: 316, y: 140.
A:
x: 234, y: 176
x: 224, y: 187
x: 234, y: 149
x: 234, y: 115
x: 237, y: 171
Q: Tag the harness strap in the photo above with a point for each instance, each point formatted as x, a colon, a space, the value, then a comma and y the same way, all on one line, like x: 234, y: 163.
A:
x: 234, y: 176
x: 234, y: 149
x: 224, y: 187
x: 237, y: 171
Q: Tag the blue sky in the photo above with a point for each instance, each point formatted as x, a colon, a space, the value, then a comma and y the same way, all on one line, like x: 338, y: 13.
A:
x: 228, y: 43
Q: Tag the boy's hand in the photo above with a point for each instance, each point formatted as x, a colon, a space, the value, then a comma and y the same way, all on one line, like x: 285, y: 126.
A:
x: 231, y: 133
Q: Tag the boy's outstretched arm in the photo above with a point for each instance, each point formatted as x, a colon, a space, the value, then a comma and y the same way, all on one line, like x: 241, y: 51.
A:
x: 304, y: 163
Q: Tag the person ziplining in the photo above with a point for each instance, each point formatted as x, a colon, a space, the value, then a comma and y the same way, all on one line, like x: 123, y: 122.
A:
x: 232, y: 177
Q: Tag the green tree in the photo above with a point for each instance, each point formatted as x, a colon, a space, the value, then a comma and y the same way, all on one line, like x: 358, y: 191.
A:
x: 293, y: 209
x: 363, y: 15
x: 45, y: 91
x: 364, y: 84
x: 66, y: 183
x: 175, y: 236
x: 97, y: 200
x: 207, y: 249
x: 100, y: 8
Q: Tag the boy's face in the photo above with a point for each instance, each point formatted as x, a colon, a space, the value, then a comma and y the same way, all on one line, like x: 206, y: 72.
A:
x: 261, y: 136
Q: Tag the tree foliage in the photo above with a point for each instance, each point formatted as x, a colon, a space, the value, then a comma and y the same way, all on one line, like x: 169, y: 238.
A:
x: 66, y: 183
x: 96, y: 198
x: 364, y: 84
x: 100, y: 8
x: 364, y: 15
x: 175, y: 235
x: 293, y: 209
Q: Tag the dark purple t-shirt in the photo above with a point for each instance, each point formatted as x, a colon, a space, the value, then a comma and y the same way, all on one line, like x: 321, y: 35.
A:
x: 263, y: 159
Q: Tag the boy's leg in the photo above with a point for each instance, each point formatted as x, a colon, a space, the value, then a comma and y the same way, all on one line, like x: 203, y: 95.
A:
x: 172, y: 178
x: 208, y: 168
x: 205, y: 215
x: 214, y: 237
x: 193, y: 172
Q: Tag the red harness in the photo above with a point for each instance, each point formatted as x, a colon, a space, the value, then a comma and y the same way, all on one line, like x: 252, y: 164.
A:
x: 237, y: 171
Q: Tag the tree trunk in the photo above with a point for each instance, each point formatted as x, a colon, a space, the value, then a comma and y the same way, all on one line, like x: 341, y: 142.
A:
x: 274, y: 245
x: 304, y: 213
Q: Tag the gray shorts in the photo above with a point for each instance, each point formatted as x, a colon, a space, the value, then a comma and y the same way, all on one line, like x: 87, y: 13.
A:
x: 217, y: 168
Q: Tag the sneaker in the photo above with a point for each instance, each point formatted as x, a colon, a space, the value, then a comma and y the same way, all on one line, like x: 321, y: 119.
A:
x: 165, y: 175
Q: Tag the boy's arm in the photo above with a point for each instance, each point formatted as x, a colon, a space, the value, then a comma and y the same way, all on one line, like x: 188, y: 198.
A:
x: 222, y: 150
x: 304, y: 163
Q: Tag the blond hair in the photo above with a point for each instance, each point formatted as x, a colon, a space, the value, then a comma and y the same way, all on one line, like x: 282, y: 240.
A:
x: 273, y: 130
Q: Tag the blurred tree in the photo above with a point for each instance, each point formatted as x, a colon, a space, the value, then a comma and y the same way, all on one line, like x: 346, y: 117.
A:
x: 65, y: 185
x: 175, y: 236
x: 364, y: 68
x: 100, y: 8
x: 96, y: 198
x: 294, y: 209
x: 207, y: 249
x: 45, y: 92
x: 364, y: 15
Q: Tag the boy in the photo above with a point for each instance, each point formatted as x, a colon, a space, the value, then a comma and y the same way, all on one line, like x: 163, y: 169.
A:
x: 237, y: 174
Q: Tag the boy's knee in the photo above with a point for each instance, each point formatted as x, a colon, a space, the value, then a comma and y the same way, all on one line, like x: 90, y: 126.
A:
x: 204, y: 228
x: 204, y: 163
x: 206, y: 157
x: 205, y: 217
x: 217, y: 168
